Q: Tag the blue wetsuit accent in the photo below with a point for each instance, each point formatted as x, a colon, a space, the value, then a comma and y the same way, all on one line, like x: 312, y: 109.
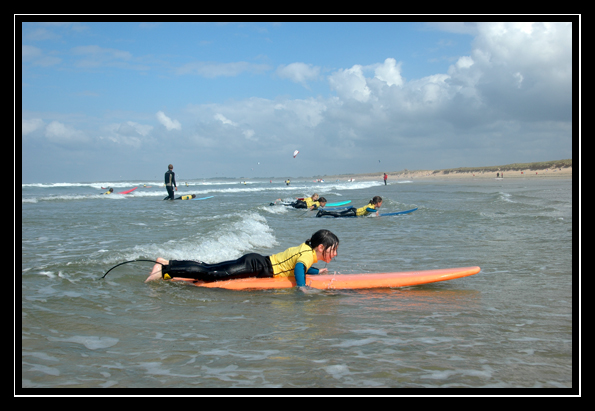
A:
x: 300, y: 274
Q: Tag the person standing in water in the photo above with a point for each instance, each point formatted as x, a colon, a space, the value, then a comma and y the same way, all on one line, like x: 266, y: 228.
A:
x: 170, y: 182
x: 293, y: 262
x: 385, y: 177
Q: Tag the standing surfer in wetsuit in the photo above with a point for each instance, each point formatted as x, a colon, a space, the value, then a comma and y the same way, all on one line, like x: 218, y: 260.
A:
x: 170, y: 182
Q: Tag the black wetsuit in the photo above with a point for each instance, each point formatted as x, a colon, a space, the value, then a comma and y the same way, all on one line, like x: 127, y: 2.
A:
x: 350, y: 212
x: 299, y: 204
x: 249, y: 265
x: 170, y: 183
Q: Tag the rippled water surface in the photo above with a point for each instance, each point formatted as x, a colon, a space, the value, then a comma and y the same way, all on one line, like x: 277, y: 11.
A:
x: 510, y: 326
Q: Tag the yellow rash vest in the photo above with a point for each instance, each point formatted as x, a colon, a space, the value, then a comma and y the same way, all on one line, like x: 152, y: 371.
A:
x: 284, y: 263
x: 365, y: 210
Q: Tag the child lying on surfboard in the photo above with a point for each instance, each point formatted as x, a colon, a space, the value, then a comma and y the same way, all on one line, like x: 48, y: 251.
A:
x: 295, y: 261
x: 311, y: 203
x: 372, y: 207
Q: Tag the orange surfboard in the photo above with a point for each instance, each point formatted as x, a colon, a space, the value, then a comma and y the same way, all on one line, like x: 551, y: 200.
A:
x: 343, y: 281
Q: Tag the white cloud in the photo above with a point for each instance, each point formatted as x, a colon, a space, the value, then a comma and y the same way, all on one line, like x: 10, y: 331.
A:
x: 519, y: 78
x: 130, y: 128
x: 35, y: 56
x: 212, y: 70
x: 41, y: 34
x: 350, y: 84
x: 307, y: 113
x: 220, y: 117
x: 29, y: 126
x: 96, y: 56
x: 29, y: 53
x: 389, y: 72
x: 62, y: 134
x: 464, y: 62
x: 455, y: 27
x: 249, y: 134
x: 128, y: 133
x: 299, y: 72
x: 168, y: 122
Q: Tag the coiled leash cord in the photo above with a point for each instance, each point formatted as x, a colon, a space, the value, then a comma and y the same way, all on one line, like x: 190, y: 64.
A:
x: 131, y: 261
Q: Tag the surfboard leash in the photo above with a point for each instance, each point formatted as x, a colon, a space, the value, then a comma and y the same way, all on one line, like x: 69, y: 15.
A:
x: 131, y: 261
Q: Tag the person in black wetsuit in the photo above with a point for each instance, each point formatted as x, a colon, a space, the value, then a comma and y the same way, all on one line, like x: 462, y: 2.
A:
x: 312, y: 203
x: 170, y: 182
x: 372, y: 207
x: 293, y: 262
x: 186, y: 197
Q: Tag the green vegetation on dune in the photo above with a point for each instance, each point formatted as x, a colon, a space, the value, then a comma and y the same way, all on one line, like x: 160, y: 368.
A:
x: 541, y: 165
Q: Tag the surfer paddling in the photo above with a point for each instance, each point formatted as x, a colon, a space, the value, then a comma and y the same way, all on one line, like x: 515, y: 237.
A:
x: 311, y: 203
x: 372, y: 207
x: 293, y: 262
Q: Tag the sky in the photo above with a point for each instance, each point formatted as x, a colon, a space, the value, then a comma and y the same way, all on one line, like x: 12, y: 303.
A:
x: 112, y: 101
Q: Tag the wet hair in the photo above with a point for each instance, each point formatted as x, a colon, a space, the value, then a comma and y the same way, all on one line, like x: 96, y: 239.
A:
x: 376, y: 200
x: 324, y: 237
x: 322, y: 200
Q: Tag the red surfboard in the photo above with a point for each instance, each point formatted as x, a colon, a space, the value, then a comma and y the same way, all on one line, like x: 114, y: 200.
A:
x: 128, y: 191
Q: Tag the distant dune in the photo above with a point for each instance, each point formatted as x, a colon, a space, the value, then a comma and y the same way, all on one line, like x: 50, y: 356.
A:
x: 558, y: 168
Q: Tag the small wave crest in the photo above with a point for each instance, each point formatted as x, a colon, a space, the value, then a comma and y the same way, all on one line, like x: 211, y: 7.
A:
x: 226, y: 241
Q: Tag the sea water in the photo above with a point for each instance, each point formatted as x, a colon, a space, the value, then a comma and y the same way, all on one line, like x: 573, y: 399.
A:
x: 509, y: 326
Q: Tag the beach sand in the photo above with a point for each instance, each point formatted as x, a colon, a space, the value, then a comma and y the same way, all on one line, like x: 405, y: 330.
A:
x: 565, y: 172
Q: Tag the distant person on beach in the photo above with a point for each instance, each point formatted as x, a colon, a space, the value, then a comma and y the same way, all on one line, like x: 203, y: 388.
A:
x: 293, y: 262
x: 385, y: 177
x: 170, y: 182
x: 372, y: 207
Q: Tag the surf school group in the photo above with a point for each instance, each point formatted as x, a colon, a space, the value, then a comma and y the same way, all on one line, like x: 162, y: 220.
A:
x: 294, y: 262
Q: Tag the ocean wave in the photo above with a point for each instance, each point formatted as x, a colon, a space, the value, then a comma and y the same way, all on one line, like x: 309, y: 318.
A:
x: 33, y: 193
x: 235, y: 235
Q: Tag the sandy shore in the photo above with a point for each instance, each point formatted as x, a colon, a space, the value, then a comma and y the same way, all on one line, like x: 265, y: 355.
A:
x: 565, y: 172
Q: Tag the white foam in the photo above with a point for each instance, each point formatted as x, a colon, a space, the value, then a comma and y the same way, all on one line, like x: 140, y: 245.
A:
x: 229, y: 242
x: 274, y: 209
x: 91, y: 342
